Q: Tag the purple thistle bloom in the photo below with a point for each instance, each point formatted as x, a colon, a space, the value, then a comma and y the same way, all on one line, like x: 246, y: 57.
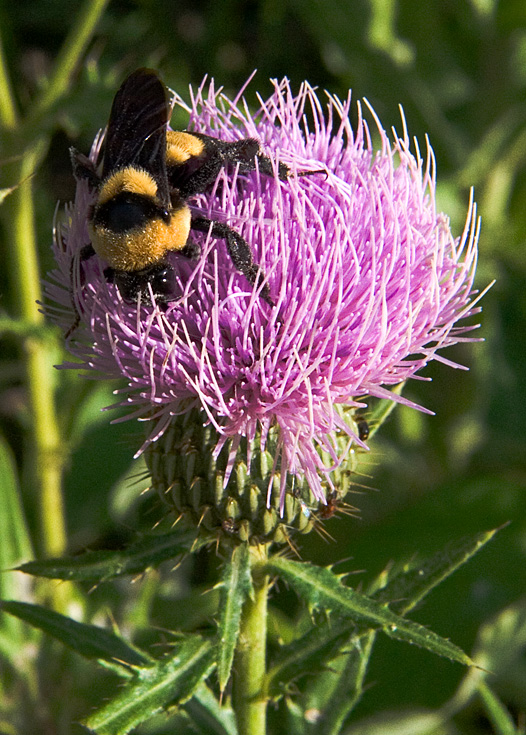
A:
x: 367, y: 280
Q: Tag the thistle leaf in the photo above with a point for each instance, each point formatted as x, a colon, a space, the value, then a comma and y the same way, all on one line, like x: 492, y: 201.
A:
x: 335, y: 694
x: 321, y: 588
x: 5, y: 192
x: 309, y: 654
x: 14, y: 533
x: 97, y: 566
x: 169, y: 682
x: 210, y: 717
x: 407, y: 589
x: 87, y: 640
x: 382, y: 409
x: 236, y: 586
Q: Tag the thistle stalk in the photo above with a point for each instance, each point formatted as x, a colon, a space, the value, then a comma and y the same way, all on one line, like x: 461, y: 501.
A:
x: 249, y: 698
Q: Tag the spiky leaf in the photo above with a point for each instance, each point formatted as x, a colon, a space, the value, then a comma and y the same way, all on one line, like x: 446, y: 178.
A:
x: 321, y: 588
x: 96, y: 566
x: 308, y: 654
x: 410, y: 587
x: 335, y: 694
x: 211, y: 717
x: 87, y: 640
x: 5, y: 192
x: 382, y: 409
x: 236, y: 586
x: 168, y: 683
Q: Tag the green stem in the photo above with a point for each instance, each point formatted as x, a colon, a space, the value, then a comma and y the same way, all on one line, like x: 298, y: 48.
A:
x: 70, y: 53
x: 20, y: 228
x: 249, y: 697
x: 8, y: 115
x: 18, y: 212
x: 498, y: 715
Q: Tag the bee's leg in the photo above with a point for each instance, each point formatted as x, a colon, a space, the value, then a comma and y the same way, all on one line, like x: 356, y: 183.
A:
x: 84, y: 168
x: 86, y: 252
x: 160, y: 278
x: 247, y: 151
x: 199, y: 173
x: 238, y: 249
x: 191, y: 250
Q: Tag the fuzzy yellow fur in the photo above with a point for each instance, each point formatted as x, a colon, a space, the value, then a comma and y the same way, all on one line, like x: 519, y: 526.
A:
x: 138, y: 249
x: 130, y: 179
x: 182, y: 146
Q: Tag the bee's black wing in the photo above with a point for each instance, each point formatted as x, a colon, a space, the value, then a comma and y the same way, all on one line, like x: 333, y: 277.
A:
x: 136, y: 134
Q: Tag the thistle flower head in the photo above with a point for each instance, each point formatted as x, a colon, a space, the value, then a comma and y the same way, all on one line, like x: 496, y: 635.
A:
x: 367, y: 280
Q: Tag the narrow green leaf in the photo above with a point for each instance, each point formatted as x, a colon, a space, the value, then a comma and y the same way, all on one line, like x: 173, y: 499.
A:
x: 321, y: 588
x: 308, y: 654
x: 501, y: 643
x: 16, y: 544
x: 96, y: 566
x: 382, y: 410
x: 497, y: 713
x: 87, y: 640
x: 170, y: 682
x: 236, y: 586
x: 20, y: 327
x: 210, y: 717
x: 410, y: 587
x: 346, y: 688
x: 413, y: 721
x: 5, y: 192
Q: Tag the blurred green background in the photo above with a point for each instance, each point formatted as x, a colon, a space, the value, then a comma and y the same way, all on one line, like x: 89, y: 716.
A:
x: 458, y: 68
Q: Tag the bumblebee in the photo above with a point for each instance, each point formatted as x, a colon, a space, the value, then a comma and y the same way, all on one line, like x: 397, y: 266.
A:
x: 147, y: 176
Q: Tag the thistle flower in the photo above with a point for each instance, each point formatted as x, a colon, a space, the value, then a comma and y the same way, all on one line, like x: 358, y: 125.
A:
x: 367, y: 280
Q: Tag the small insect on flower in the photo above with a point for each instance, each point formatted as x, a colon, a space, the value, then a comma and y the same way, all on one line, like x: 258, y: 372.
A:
x: 363, y: 428
x: 148, y: 174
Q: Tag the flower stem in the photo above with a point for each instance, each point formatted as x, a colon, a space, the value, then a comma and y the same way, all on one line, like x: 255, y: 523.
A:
x: 249, y: 697
x: 8, y: 113
x: 70, y: 54
x: 28, y: 142
x: 47, y: 459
